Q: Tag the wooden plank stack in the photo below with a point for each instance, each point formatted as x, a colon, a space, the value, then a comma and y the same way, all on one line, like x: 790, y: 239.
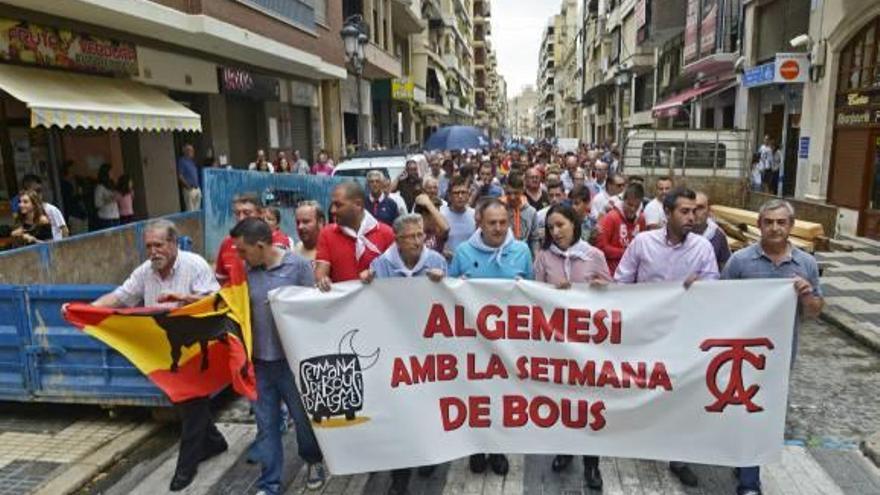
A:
x: 741, y: 227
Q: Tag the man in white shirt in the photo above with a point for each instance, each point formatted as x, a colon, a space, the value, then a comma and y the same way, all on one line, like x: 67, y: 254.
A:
x: 655, y: 216
x: 603, y: 201
x: 56, y: 218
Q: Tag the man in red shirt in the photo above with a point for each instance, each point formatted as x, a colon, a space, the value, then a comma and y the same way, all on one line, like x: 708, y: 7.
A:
x: 243, y: 206
x: 619, y: 227
x: 347, y: 248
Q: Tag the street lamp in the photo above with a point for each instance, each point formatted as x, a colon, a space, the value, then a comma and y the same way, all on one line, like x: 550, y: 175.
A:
x: 354, y: 37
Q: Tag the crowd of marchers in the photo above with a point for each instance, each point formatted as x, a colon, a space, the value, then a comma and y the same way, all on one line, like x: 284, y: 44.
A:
x: 532, y: 213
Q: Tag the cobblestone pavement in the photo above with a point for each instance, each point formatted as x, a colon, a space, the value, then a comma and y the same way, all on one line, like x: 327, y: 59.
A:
x: 832, y: 406
x: 851, y: 282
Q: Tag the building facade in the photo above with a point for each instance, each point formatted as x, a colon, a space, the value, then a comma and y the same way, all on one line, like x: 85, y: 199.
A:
x: 89, y: 82
x: 522, y: 116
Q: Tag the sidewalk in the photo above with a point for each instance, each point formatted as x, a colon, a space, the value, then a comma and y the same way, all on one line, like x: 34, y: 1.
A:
x: 851, y: 283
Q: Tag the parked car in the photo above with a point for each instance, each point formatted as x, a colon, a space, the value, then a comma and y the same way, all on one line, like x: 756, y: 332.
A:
x: 687, y: 152
x: 390, y: 162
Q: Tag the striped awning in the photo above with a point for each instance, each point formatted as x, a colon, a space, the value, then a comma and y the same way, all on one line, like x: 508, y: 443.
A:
x: 66, y: 99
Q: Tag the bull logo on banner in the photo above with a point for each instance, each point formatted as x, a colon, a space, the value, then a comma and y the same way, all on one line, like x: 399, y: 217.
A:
x: 735, y: 393
x: 333, y: 384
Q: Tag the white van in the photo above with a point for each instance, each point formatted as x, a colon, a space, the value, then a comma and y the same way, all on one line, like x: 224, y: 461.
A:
x: 390, y: 163
x: 686, y: 152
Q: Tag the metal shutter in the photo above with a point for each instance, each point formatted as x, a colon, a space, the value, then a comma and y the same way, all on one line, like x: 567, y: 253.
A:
x: 301, y: 124
x: 848, y: 161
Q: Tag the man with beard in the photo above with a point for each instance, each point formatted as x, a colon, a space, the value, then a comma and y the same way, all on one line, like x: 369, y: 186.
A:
x: 346, y: 248
x: 706, y: 227
x: 536, y: 194
x: 619, y: 227
x: 172, y: 278
x: 309, y: 222
x: 671, y: 254
x: 655, y: 216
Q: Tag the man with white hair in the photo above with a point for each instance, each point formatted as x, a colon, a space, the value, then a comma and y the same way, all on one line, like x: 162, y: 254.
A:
x: 775, y: 257
x: 431, y: 187
x: 382, y: 207
x: 173, y: 278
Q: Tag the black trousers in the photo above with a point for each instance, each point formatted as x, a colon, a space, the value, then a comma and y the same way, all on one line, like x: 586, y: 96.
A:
x: 199, y: 435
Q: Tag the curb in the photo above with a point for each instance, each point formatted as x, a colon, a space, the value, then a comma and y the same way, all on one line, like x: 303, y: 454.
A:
x: 82, y: 471
x: 851, y: 326
x: 871, y: 448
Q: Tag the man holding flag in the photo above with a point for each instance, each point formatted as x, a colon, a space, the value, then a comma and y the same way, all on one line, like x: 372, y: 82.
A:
x: 171, y: 278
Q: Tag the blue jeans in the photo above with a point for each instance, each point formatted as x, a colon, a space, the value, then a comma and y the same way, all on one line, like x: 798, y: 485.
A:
x: 275, y: 384
x: 749, y: 478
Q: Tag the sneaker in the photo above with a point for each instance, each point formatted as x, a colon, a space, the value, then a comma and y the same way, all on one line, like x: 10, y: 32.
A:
x: 315, y: 476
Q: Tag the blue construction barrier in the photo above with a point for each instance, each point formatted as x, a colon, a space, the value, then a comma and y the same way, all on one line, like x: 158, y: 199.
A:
x: 45, y: 359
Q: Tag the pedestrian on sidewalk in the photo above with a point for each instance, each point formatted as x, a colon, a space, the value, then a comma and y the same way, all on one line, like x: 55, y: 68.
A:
x: 408, y: 257
x: 492, y: 252
x: 671, y: 254
x: 31, y: 225
x: 125, y: 199
x: 565, y: 260
x: 173, y: 278
x: 105, y: 199
x: 189, y: 179
x: 270, y: 267
x: 775, y: 257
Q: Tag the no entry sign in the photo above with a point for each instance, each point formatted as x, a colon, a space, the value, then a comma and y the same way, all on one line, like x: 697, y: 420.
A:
x: 791, y: 68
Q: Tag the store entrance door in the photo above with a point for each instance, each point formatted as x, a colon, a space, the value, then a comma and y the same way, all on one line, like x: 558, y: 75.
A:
x: 869, y: 219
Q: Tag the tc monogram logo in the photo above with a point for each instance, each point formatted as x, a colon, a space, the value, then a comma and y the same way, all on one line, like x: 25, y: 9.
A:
x: 735, y: 393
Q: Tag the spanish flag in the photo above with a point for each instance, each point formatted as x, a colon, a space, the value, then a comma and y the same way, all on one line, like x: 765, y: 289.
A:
x: 188, y: 352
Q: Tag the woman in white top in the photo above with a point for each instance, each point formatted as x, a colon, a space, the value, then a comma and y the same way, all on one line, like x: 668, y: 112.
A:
x: 105, y: 199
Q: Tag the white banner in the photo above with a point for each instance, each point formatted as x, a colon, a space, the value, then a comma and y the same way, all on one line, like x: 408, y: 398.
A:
x: 407, y: 372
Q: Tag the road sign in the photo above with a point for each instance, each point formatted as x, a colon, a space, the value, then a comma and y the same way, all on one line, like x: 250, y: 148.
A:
x: 791, y: 68
x: 759, y: 75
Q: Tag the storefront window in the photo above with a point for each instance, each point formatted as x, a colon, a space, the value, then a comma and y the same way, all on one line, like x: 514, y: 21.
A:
x: 860, y: 60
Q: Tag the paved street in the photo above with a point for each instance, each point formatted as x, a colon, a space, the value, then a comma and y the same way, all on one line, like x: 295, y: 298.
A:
x: 832, y: 407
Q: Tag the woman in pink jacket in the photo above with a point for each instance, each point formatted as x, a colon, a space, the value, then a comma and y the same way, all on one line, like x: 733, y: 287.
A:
x: 565, y: 260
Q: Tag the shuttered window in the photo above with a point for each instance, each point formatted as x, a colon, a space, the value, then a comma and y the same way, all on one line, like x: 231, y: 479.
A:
x: 848, y: 168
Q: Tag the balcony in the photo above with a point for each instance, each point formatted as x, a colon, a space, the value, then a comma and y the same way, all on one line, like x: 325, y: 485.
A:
x: 404, y: 19
x: 381, y: 64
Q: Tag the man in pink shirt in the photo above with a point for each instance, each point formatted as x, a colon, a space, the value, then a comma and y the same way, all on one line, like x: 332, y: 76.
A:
x: 671, y: 254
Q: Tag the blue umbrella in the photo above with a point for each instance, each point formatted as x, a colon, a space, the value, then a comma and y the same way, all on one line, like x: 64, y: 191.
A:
x: 457, y: 137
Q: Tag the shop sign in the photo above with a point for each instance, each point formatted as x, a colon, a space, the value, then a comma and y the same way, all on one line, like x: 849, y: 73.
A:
x: 791, y: 68
x: 708, y: 27
x: 29, y: 43
x: 690, y: 31
x: 804, y: 147
x: 245, y: 83
x: 850, y: 118
x: 403, y: 89
x: 760, y: 75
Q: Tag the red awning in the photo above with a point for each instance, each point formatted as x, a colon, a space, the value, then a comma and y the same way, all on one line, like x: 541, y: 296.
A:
x: 670, y: 106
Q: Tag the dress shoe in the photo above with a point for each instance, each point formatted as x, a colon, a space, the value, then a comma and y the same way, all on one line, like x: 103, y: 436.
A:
x: 684, y: 473
x: 499, y: 464
x: 427, y: 471
x: 181, y: 481
x: 478, y: 463
x: 215, y: 450
x: 560, y: 463
x: 593, y: 478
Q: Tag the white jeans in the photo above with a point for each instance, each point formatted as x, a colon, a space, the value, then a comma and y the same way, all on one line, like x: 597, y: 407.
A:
x: 192, y: 198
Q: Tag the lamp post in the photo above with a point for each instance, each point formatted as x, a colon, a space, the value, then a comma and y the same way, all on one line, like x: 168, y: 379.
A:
x: 354, y: 37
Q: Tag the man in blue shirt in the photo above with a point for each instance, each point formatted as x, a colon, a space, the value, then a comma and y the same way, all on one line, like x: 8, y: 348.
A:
x: 775, y: 257
x: 407, y: 257
x: 383, y: 208
x: 188, y: 177
x: 270, y: 267
x: 492, y: 252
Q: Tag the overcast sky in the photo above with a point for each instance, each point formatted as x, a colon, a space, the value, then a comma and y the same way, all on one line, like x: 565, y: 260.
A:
x: 517, y: 27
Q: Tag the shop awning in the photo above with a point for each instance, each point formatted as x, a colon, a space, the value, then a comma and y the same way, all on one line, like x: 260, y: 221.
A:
x: 67, y: 99
x: 671, y: 106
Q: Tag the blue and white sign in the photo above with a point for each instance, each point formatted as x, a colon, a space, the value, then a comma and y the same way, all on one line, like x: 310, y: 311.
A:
x: 804, y: 147
x: 759, y: 75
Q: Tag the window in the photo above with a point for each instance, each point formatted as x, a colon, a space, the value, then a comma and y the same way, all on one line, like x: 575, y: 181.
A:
x: 860, y: 60
x: 320, y: 11
x: 663, y: 154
